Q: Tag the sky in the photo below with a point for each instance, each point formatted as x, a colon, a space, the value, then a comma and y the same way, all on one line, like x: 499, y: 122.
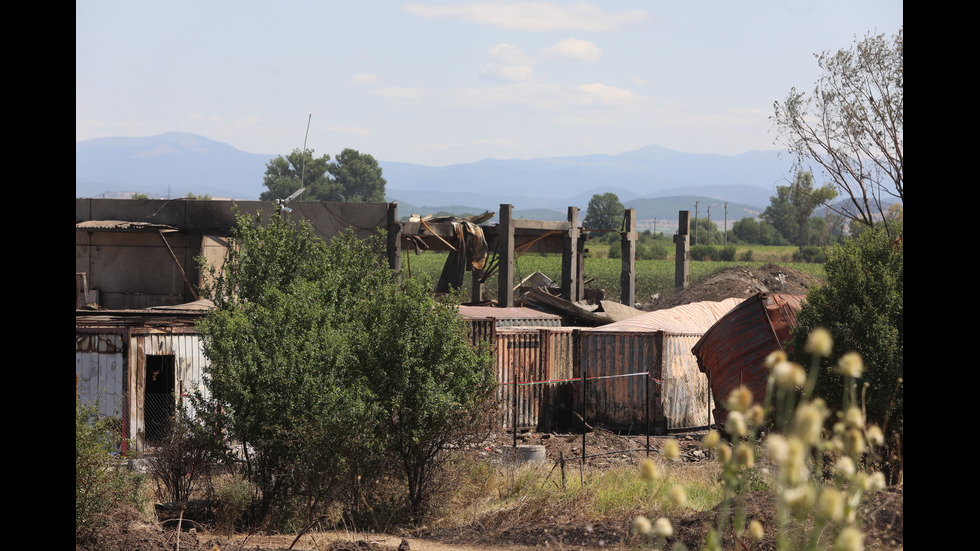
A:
x: 445, y: 82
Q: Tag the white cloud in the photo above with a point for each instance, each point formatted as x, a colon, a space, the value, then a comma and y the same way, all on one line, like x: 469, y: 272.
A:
x: 532, y: 15
x: 508, y: 64
x: 578, y: 50
x: 364, y: 78
x: 605, y: 95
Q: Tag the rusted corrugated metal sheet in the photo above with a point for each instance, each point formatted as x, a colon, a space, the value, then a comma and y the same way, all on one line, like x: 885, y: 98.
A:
x: 511, y: 317
x: 733, y: 351
x: 617, y: 391
x: 480, y: 330
x: 521, y: 368
x: 659, y: 342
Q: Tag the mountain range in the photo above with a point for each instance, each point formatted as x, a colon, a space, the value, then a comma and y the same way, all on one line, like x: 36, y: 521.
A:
x: 656, y: 181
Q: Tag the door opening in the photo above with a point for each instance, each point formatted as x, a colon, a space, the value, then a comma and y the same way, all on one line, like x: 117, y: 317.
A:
x: 158, y: 398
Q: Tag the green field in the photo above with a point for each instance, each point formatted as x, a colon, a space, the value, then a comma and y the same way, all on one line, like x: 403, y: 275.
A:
x: 652, y: 276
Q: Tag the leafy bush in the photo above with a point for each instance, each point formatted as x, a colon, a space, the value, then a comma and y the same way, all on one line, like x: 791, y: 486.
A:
x: 810, y: 254
x: 862, y: 307
x: 101, y: 483
x: 747, y: 256
x: 182, y: 460
x: 727, y: 254
x: 324, y: 366
x: 232, y: 497
x: 703, y: 252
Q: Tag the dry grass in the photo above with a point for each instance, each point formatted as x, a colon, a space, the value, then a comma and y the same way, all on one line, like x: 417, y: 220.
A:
x: 500, y: 498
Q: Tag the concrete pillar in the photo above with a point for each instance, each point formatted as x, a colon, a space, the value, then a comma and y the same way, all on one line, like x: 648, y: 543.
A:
x: 569, y: 261
x: 682, y: 250
x: 505, y: 271
x: 627, y: 277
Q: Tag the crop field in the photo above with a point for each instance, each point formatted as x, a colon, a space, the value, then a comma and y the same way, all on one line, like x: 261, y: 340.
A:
x: 652, y: 276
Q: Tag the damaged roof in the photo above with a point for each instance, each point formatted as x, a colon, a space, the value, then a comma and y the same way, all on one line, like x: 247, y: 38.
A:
x: 693, y: 318
x: 122, y: 225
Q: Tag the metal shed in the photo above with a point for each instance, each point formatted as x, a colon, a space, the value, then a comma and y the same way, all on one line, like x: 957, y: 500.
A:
x: 733, y: 352
x: 522, y: 355
x: 642, y: 370
x: 139, y: 365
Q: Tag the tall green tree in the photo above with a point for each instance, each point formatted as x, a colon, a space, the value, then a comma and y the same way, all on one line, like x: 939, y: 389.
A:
x: 351, y: 176
x: 358, y: 177
x: 791, y: 209
x: 604, y: 212
x: 852, y: 125
x: 750, y: 231
x: 705, y: 231
x: 299, y: 169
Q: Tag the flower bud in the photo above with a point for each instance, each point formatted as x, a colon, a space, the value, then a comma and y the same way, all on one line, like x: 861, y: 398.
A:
x: 740, y: 399
x: 756, y: 533
x: 648, y: 470
x: 711, y: 439
x: 671, y: 450
x: 642, y: 525
x: 662, y: 528
x: 774, y: 358
x: 819, y: 342
x: 744, y: 457
x: 678, y: 495
x: 850, y: 365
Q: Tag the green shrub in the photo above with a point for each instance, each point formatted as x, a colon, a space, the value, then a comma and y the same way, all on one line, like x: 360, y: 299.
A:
x: 727, y: 254
x: 232, y: 496
x: 810, y: 254
x: 704, y: 252
x: 862, y: 307
x: 102, y: 484
x: 747, y: 256
x: 182, y: 461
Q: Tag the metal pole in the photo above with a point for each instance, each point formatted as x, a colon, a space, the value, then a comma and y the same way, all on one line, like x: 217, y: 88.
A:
x: 514, y: 378
x: 646, y: 412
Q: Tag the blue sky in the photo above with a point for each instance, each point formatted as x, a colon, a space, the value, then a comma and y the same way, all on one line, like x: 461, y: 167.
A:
x: 439, y: 82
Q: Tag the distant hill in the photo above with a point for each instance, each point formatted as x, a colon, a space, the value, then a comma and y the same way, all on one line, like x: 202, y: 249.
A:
x: 656, y: 181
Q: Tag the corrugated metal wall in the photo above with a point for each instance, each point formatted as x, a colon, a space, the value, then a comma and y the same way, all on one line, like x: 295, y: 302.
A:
x: 106, y: 372
x: 521, y: 369
x: 621, y: 397
x: 100, y: 371
x: 685, y: 388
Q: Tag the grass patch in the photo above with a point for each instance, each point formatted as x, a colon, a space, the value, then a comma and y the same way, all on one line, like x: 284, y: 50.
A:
x: 499, y: 497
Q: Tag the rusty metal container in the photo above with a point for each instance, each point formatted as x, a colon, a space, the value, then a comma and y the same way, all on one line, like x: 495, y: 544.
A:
x: 641, y: 373
x: 733, y: 352
x: 522, y: 375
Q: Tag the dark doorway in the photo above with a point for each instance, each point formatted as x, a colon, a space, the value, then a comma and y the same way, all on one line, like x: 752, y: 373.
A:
x: 158, y: 397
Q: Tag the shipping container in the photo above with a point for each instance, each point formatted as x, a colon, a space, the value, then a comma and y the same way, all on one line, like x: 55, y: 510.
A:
x: 641, y: 374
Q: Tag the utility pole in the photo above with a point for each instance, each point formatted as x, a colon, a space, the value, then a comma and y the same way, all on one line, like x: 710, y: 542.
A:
x: 696, y: 222
x: 709, y: 225
x: 726, y: 223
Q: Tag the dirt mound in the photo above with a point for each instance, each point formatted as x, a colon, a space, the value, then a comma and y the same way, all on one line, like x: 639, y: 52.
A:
x: 739, y: 282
